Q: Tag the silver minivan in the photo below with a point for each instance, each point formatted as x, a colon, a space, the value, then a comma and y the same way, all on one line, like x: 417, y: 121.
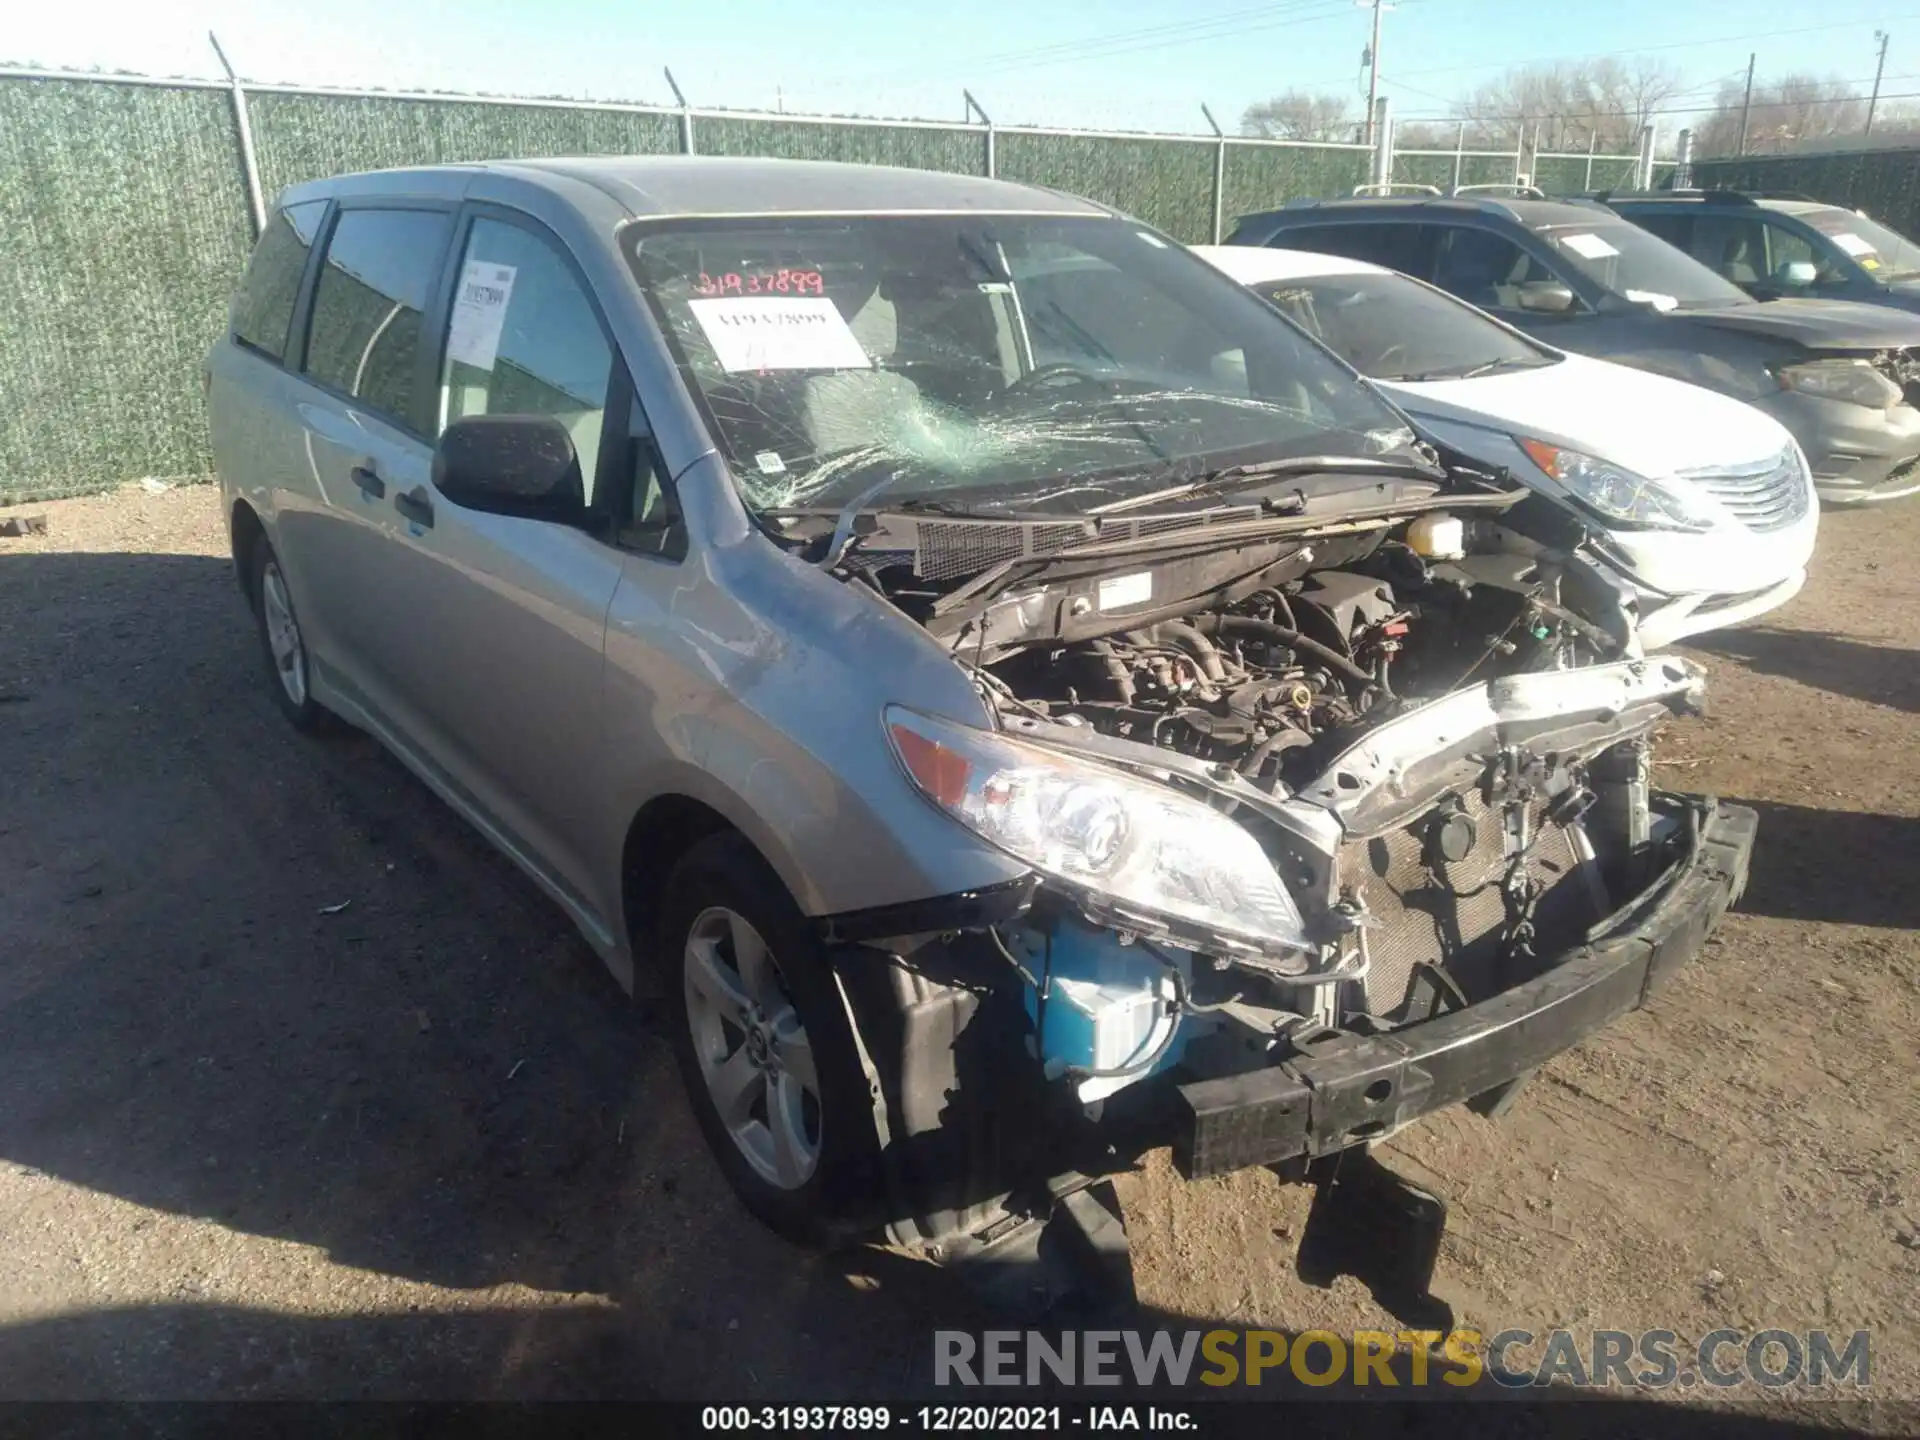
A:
x: 1032, y: 701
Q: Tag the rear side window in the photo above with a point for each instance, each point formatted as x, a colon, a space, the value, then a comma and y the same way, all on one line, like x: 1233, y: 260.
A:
x: 1392, y: 244
x: 1672, y: 225
x: 263, y: 309
x: 364, y: 339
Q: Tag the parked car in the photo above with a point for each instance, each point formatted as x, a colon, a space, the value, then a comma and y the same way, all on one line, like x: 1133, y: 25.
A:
x: 1774, y: 246
x: 1844, y: 378
x: 978, y: 654
x: 1702, y: 503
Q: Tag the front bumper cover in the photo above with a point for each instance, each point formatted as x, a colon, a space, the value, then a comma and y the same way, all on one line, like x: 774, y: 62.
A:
x: 1345, y: 1089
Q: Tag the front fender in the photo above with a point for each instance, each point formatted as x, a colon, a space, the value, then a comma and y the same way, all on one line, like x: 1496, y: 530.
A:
x: 753, y: 683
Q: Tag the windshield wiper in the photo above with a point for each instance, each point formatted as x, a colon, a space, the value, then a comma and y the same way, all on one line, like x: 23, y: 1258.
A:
x: 1506, y: 362
x: 1235, y: 477
x: 1469, y: 372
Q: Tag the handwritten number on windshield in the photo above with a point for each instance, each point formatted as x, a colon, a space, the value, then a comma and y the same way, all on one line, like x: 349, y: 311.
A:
x: 771, y: 282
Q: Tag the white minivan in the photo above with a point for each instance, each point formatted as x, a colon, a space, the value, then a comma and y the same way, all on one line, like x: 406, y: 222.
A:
x: 1704, y: 504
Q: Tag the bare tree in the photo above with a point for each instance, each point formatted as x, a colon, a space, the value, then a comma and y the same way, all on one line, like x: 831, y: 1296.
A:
x: 1567, y: 105
x: 1785, y: 112
x: 1296, y: 115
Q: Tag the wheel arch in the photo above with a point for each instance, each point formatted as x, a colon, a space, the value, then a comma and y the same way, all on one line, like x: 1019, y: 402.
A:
x: 244, y: 534
x: 661, y: 831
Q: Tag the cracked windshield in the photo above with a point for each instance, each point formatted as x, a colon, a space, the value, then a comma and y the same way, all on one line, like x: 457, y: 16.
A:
x: 986, y: 361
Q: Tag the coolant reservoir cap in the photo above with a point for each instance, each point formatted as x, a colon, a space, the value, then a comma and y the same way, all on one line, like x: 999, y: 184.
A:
x: 1438, y: 537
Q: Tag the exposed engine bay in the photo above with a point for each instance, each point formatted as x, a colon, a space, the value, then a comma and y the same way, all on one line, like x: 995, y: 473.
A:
x: 1418, y: 712
x: 1271, y: 683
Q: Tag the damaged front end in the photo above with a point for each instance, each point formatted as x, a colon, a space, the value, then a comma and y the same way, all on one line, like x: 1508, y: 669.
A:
x: 1360, y: 830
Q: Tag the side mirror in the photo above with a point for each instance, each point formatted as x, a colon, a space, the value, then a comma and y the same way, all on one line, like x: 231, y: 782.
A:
x: 520, y: 465
x: 1546, y: 297
x: 1797, y: 274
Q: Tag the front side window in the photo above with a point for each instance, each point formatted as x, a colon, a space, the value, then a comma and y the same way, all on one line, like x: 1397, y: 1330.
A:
x: 1636, y: 265
x: 263, y: 308
x: 1391, y: 328
x: 524, y: 339
x: 364, y: 338
x: 1788, y: 248
x: 1885, y: 254
x: 999, y: 359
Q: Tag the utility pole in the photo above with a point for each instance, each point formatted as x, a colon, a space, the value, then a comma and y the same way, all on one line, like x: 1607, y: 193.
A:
x: 1746, y: 106
x: 1373, y: 66
x: 1883, y: 37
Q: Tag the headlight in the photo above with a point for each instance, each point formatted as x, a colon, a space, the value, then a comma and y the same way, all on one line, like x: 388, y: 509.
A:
x: 1142, y: 847
x: 1618, y: 494
x: 1854, y: 381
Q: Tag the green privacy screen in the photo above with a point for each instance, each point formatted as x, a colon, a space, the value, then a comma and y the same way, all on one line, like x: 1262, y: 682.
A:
x: 1261, y: 177
x: 123, y: 222
x: 308, y: 137
x: 960, y: 151
x: 1426, y: 168
x: 1167, y: 183
x: 123, y: 209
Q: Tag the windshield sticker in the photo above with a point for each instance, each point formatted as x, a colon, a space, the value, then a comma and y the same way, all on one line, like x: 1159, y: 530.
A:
x: 1653, y: 298
x: 770, y: 282
x: 1591, y: 246
x: 1124, y: 590
x: 762, y: 334
x: 1869, y: 262
x: 479, y: 311
x: 768, y: 462
x: 1851, y: 243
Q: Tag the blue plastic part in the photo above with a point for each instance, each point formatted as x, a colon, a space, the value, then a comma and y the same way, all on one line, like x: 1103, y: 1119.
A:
x: 1107, y: 1005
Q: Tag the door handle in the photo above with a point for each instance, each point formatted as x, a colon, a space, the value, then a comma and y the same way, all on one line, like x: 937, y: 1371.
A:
x: 415, y: 506
x: 371, y: 485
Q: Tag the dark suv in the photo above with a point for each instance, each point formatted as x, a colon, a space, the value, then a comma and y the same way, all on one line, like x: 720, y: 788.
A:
x: 1779, y: 245
x: 1843, y: 377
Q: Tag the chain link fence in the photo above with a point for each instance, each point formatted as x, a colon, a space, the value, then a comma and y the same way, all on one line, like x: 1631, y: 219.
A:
x: 125, y: 205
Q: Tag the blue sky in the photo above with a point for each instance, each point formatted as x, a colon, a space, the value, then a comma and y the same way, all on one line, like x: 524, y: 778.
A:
x: 1119, y: 64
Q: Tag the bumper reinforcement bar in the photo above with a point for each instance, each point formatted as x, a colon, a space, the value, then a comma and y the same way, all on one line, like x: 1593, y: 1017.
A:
x: 1349, y: 1088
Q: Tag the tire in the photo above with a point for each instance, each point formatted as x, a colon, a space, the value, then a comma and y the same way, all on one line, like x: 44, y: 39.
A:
x: 773, y: 1034
x: 282, y: 644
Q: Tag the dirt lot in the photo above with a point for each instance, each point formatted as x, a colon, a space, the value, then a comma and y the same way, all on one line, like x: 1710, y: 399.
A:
x: 423, y: 1147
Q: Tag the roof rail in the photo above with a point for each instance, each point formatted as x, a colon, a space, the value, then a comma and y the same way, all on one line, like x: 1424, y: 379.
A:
x: 1729, y: 195
x: 1397, y: 187
x: 1516, y: 190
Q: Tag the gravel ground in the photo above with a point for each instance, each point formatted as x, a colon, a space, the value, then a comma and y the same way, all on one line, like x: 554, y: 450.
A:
x: 422, y: 1147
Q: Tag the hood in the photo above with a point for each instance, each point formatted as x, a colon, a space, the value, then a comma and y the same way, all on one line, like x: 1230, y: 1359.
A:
x: 1647, y: 423
x: 1818, y: 324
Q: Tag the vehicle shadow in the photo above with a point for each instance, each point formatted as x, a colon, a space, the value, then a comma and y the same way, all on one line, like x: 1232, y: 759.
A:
x: 1834, y: 867
x: 1879, y: 674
